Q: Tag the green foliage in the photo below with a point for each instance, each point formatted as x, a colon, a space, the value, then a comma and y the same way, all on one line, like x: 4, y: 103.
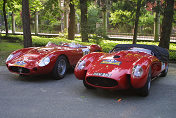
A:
x: 124, y: 5
x: 50, y: 16
x: 35, y: 5
x: 14, y: 6
x: 123, y: 16
x: 172, y: 55
x: 120, y: 17
x: 93, y: 18
x: 64, y: 34
x: 146, y: 19
x: 51, y: 11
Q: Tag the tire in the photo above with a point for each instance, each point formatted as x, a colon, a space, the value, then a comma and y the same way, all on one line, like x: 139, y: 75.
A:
x: 164, y: 72
x: 87, y: 86
x: 60, y: 68
x: 146, y: 89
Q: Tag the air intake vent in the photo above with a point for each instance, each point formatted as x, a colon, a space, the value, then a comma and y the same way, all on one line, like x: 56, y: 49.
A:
x: 101, y: 81
x: 19, y: 69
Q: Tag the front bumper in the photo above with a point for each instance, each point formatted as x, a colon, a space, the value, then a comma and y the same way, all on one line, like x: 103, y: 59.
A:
x: 29, y: 70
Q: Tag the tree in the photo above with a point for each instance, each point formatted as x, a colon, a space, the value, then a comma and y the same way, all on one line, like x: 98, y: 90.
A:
x: 83, y: 7
x: 167, y: 23
x: 5, y: 18
x: 157, y: 21
x: 71, y: 28
x: 122, y: 15
x: 26, y: 24
x: 104, y: 10
x: 93, y: 18
x: 50, y: 14
x: 66, y: 3
x: 35, y: 7
x: 13, y: 6
x: 139, y: 5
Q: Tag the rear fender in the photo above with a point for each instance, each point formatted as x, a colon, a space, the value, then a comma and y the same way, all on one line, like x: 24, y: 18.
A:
x: 95, y: 48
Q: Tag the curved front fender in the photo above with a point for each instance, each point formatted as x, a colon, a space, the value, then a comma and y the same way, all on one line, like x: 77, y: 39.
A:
x: 139, y: 82
x: 80, y: 74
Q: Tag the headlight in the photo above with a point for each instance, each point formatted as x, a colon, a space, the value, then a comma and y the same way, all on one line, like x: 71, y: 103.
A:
x: 9, y: 57
x: 45, y: 61
x: 81, y: 65
x: 137, y: 71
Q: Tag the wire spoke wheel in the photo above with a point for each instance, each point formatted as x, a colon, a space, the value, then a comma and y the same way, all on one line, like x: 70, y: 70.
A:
x: 62, y: 67
x: 146, y: 89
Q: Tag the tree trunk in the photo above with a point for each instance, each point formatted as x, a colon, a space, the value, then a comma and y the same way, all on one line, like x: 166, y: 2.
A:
x: 157, y: 23
x: 5, y: 18
x: 105, y: 19
x: 13, y: 23
x: 26, y: 24
x: 167, y: 24
x: 136, y: 21
x: 84, y: 34
x: 71, y: 28
x: 105, y: 2
x: 157, y: 26
x: 65, y: 14
x: 36, y: 23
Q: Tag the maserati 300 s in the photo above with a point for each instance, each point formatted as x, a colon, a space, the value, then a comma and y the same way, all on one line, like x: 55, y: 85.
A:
x: 126, y: 66
x: 52, y: 58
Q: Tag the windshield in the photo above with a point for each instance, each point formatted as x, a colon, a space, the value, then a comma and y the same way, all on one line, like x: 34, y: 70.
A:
x: 141, y: 50
x: 51, y: 44
x: 133, y: 49
x: 72, y: 44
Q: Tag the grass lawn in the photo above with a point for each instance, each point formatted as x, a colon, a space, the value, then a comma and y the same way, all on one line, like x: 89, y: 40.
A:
x: 6, y: 48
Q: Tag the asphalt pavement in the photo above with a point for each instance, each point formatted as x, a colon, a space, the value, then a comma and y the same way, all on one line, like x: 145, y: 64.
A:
x: 43, y: 97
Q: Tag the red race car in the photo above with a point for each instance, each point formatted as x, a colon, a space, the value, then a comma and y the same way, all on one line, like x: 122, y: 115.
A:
x: 126, y: 66
x: 52, y: 58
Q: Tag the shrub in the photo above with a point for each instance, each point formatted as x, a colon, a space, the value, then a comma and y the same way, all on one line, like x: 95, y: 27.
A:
x: 106, y: 45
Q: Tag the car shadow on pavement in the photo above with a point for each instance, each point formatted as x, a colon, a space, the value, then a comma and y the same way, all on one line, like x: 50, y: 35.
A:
x: 40, y: 78
x: 36, y: 78
x: 108, y: 94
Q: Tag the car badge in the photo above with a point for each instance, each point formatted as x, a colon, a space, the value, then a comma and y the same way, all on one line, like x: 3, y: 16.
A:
x: 113, y: 62
x: 20, y: 63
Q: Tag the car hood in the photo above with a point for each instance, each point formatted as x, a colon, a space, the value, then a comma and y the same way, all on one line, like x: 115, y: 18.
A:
x: 114, y: 65
x: 37, y: 53
x: 34, y: 55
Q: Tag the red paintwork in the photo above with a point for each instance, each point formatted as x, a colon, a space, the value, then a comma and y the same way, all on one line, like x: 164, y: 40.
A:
x: 32, y: 56
x: 120, y: 72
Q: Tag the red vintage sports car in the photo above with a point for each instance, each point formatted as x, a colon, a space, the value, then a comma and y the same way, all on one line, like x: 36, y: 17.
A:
x: 52, y: 58
x: 126, y: 66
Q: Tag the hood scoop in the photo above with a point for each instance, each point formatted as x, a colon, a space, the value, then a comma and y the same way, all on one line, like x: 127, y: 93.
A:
x: 116, y: 56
